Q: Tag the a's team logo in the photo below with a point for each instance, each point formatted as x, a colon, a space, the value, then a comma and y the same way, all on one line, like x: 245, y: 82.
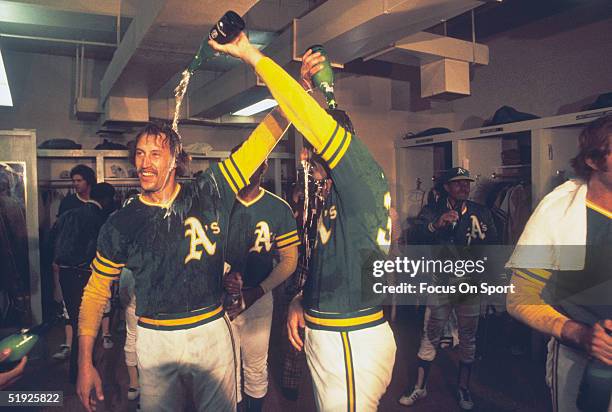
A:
x: 263, y: 238
x: 477, y: 230
x: 460, y: 171
x: 324, y: 232
x: 200, y: 238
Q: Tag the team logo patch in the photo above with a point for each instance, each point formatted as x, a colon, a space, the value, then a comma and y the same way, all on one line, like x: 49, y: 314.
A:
x: 198, y: 236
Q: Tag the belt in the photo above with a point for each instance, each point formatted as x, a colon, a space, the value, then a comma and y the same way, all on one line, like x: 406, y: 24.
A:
x: 186, y: 320
x: 361, y: 319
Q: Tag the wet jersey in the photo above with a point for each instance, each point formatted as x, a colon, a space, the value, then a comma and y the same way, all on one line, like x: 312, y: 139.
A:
x: 353, y: 231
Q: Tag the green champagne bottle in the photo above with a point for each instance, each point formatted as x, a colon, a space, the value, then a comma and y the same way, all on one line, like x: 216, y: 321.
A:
x: 324, y: 78
x: 226, y: 30
x: 22, y: 342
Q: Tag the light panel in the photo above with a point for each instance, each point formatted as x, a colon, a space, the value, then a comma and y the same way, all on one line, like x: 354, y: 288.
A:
x: 260, y: 106
x: 5, y: 91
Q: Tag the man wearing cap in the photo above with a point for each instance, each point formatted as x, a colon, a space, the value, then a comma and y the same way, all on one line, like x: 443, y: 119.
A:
x: 453, y: 220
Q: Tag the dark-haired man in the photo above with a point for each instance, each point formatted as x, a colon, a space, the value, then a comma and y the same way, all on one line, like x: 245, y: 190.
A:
x: 262, y: 252
x: 74, y: 247
x: 172, y: 238
x: 453, y: 220
x: 83, y: 178
x: 561, y: 272
x: 349, y: 345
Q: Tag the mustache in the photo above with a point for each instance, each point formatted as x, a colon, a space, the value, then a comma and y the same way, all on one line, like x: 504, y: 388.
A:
x: 142, y: 169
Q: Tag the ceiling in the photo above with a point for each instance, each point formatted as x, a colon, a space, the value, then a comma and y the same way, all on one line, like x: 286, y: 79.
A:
x: 147, y: 42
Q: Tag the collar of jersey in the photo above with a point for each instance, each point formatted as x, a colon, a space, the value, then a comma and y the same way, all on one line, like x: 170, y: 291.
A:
x: 599, y: 209
x: 80, y: 198
x: 94, y: 202
x: 165, y: 205
x: 252, y: 202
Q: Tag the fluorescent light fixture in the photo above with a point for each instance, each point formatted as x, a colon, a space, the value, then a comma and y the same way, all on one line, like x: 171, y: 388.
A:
x: 260, y: 106
x: 5, y: 92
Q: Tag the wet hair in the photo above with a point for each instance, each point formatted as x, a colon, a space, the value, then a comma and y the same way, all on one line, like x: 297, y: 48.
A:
x: 594, y: 144
x: 164, y: 130
x: 85, y: 172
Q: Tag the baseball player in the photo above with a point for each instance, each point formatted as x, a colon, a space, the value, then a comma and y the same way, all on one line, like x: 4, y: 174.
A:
x: 172, y: 238
x: 262, y: 229
x: 561, y: 273
x: 349, y: 345
x: 453, y: 220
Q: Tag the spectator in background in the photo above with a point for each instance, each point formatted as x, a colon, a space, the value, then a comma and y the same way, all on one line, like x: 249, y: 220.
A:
x: 14, y: 263
x: 74, y: 246
x: 83, y: 178
x: 453, y: 220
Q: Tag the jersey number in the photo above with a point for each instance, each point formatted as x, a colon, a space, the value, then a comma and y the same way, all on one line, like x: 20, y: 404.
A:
x: 384, y: 234
x: 198, y: 238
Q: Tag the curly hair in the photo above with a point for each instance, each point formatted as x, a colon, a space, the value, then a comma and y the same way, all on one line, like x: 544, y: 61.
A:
x: 594, y: 144
x: 168, y: 135
x: 85, y: 172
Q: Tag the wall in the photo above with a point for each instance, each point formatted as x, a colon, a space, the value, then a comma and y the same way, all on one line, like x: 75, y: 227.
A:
x: 553, y: 66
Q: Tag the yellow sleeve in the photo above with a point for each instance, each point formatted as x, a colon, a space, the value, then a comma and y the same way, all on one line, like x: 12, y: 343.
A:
x: 97, y: 293
x: 241, y: 165
x: 526, y: 303
x: 318, y: 127
x: 95, y: 296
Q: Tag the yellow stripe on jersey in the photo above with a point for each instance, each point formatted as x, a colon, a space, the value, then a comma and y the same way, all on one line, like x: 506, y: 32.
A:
x: 523, y: 274
x: 350, y: 376
x: 243, y: 163
x: 109, y: 262
x: 228, y: 178
x: 286, y: 235
x: 542, y: 273
x: 104, y: 270
x: 295, y: 240
x: 599, y: 209
x: 332, y: 144
x: 338, y: 156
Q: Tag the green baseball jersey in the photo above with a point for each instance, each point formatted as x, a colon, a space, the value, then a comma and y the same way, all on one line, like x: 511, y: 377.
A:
x: 258, y: 229
x: 354, y: 230
x: 175, y: 251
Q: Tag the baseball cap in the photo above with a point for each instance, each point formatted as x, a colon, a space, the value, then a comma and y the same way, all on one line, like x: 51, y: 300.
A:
x: 456, y: 173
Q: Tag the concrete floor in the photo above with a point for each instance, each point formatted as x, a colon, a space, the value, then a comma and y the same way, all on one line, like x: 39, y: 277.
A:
x: 501, y: 382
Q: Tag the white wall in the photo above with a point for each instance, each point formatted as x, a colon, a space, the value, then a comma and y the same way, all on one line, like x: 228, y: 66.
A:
x: 549, y: 67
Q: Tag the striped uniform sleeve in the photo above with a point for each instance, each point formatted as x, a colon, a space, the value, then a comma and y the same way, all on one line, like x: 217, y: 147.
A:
x: 287, y: 231
x: 526, y: 303
x: 104, y: 269
x: 328, y: 138
x: 236, y: 170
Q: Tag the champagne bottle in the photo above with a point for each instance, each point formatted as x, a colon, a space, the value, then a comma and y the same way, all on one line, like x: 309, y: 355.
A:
x: 324, y: 78
x: 22, y: 342
x: 226, y: 30
x: 595, y: 387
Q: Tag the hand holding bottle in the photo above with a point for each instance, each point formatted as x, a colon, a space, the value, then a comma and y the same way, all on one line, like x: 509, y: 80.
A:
x: 240, y: 48
x: 311, y: 64
x: 10, y: 377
